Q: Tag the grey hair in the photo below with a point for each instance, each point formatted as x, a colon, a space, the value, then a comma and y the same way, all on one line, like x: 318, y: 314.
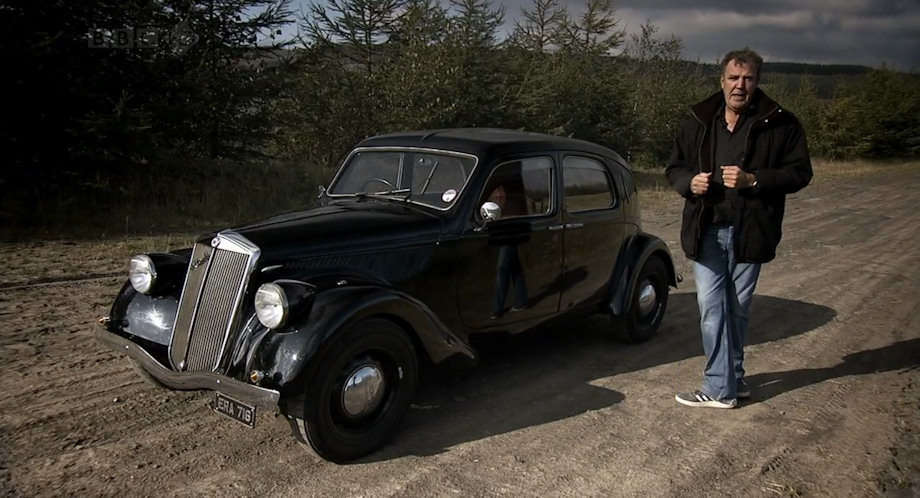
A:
x: 743, y: 56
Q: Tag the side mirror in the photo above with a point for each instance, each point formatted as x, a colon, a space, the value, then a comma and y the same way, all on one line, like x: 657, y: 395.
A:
x: 490, y: 211
x: 320, y: 191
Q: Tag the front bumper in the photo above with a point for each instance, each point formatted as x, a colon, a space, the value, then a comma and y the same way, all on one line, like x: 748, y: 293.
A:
x: 186, y: 381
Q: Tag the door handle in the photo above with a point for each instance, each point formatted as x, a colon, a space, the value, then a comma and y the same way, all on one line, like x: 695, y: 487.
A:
x: 557, y: 227
x: 574, y: 225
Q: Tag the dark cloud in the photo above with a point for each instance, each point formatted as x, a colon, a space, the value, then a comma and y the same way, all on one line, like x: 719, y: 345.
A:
x: 867, y: 32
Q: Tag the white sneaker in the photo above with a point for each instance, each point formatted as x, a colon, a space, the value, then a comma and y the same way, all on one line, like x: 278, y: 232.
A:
x: 699, y: 399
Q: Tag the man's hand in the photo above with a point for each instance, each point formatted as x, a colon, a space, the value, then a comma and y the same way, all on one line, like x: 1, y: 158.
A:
x: 699, y: 184
x: 735, y: 177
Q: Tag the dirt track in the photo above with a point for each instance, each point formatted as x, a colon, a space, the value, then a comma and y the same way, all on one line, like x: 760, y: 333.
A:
x: 833, y: 360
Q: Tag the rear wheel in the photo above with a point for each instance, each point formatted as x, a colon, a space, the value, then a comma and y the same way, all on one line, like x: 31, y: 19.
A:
x: 360, y: 390
x: 647, y: 304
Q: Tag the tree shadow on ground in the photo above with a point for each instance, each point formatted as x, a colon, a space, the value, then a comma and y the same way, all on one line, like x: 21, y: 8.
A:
x: 545, y: 376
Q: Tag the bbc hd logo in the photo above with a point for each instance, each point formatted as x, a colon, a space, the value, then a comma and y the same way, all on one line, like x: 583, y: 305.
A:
x: 178, y: 39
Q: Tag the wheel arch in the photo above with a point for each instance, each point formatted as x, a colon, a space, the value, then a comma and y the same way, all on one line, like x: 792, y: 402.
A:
x: 288, y: 355
x: 637, y: 252
x: 340, y: 426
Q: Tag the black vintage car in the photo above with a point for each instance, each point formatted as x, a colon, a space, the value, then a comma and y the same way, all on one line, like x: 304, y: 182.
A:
x: 421, y: 240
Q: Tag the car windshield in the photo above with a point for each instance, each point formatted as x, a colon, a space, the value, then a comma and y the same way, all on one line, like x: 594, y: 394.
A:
x: 431, y: 178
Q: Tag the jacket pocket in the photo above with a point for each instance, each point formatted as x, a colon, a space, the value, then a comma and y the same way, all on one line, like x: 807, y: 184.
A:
x: 690, y: 227
x: 760, y: 232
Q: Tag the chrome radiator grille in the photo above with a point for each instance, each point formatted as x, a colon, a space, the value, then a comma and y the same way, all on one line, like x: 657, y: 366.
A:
x: 210, y: 302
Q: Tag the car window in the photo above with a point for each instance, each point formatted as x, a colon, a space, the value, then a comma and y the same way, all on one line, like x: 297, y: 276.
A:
x: 587, y: 185
x: 369, y: 172
x: 522, y: 187
x: 434, y: 173
x: 432, y: 178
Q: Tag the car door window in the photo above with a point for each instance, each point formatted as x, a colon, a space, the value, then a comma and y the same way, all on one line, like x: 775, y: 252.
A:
x: 522, y: 187
x: 587, y: 185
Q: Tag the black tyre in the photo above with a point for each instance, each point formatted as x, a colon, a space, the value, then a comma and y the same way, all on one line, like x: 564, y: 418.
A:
x: 360, y: 390
x: 647, y: 304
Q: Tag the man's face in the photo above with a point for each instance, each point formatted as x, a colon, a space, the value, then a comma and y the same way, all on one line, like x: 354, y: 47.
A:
x: 738, y: 84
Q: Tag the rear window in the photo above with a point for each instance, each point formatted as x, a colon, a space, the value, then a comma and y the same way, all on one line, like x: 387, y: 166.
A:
x: 587, y: 185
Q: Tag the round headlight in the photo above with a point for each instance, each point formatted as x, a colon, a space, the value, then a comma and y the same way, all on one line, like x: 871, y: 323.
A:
x: 271, y: 305
x: 142, y: 273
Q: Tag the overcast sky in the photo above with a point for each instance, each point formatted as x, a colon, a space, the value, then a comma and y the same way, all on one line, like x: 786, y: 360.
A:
x: 867, y: 32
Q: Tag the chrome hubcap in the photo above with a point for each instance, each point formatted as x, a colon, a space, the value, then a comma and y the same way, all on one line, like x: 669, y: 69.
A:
x: 648, y: 299
x: 363, y: 390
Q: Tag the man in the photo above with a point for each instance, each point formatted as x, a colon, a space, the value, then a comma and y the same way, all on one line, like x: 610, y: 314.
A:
x: 733, y: 162
x: 509, y: 195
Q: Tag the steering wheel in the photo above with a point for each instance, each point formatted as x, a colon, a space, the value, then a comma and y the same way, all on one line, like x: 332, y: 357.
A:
x: 377, y: 180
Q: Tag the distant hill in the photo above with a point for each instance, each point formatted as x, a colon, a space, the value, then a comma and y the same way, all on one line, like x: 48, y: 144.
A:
x: 826, y: 78
x: 814, y: 69
x: 799, y: 68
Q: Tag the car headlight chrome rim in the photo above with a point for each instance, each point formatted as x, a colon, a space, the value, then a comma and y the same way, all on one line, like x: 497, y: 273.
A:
x: 271, y: 305
x: 142, y: 273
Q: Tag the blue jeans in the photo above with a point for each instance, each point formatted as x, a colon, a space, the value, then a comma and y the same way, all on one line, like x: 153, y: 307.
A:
x: 508, y: 272
x: 724, y: 289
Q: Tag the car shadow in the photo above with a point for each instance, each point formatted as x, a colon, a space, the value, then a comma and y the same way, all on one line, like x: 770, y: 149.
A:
x: 546, y: 375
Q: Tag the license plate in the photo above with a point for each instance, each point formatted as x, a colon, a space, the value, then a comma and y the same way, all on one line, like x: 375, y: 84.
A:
x: 241, y: 412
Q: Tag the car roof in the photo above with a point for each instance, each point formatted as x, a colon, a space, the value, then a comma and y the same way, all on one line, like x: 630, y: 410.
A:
x: 487, y: 142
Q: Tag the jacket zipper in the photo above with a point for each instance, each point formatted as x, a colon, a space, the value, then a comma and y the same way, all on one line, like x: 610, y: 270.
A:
x: 699, y: 221
x: 747, y: 138
x: 747, y: 141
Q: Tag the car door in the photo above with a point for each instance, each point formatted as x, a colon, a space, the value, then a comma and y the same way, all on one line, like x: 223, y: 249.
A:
x: 594, y: 230
x: 513, y: 264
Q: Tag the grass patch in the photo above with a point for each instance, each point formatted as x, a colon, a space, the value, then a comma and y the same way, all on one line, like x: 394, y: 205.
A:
x: 657, y: 194
x: 186, y: 198
x: 654, y: 180
x: 835, y: 170
x: 171, y: 195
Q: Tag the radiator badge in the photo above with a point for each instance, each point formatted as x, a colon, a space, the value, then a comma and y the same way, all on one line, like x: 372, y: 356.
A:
x: 215, y: 241
x: 203, y: 260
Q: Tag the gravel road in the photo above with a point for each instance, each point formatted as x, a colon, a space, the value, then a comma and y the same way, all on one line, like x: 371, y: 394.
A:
x: 833, y: 362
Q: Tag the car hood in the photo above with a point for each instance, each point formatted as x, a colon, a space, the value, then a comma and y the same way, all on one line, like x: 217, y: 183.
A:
x: 342, y: 227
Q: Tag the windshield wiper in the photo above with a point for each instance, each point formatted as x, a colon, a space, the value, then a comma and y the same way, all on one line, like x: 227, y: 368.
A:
x: 401, y: 194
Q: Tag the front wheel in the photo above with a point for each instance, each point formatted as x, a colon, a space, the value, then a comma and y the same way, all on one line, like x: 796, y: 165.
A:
x: 360, y: 390
x: 647, y: 304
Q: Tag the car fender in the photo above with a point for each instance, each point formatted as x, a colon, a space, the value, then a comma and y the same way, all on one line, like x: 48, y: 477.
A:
x: 151, y: 316
x: 284, y: 356
x: 145, y: 316
x: 637, y: 251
